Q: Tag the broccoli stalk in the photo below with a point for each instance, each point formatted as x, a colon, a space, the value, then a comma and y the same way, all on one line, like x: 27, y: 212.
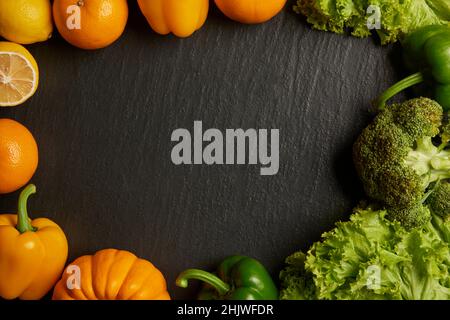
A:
x: 430, y: 162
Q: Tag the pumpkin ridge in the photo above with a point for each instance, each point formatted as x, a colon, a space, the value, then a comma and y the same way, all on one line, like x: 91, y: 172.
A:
x: 136, y: 259
x: 103, y: 297
x: 142, y: 285
x: 82, y: 288
x: 151, y: 273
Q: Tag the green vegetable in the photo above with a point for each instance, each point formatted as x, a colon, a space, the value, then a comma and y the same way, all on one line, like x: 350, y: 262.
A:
x: 399, y: 157
x: 371, y: 257
x: 398, y: 18
x: 439, y: 200
x: 238, y: 278
x: 427, y: 52
x: 297, y: 283
x: 410, y: 217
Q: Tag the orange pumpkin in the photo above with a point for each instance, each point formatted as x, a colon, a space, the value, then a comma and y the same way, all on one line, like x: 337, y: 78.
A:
x: 250, y: 11
x: 111, y: 275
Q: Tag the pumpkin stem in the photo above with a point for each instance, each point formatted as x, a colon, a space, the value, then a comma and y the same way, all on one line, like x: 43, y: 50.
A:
x: 23, y: 222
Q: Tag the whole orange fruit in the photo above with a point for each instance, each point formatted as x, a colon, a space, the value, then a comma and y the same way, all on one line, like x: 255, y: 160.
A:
x: 90, y: 24
x: 250, y: 11
x: 18, y: 156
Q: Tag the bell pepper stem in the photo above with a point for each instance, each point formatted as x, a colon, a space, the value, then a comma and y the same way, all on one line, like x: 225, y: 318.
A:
x: 410, y: 81
x: 211, y: 279
x: 23, y: 222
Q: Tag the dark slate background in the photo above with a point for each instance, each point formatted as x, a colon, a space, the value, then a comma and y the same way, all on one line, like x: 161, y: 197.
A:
x: 103, y: 122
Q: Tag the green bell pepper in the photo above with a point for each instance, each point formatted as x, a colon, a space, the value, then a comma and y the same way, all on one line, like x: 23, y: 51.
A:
x: 427, y: 52
x: 238, y: 278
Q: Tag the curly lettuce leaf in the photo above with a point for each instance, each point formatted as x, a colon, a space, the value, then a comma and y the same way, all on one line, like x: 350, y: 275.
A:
x: 398, y: 18
x: 371, y: 257
x: 299, y: 286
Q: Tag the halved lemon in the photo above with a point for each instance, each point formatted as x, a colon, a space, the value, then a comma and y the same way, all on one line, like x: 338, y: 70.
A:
x: 19, y: 74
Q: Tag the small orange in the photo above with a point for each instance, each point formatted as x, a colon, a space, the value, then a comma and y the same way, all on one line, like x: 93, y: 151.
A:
x: 250, y: 11
x: 90, y: 24
x: 18, y: 156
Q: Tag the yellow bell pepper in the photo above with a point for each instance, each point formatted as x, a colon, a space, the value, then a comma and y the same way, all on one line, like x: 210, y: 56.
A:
x: 32, y: 253
x: 181, y: 18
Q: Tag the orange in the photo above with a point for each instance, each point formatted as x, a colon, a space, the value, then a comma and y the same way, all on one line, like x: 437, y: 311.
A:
x: 90, y: 24
x: 18, y: 156
x: 250, y: 11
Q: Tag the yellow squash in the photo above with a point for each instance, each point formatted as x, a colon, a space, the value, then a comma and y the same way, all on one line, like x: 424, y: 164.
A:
x: 32, y: 253
x: 111, y: 275
x: 181, y: 18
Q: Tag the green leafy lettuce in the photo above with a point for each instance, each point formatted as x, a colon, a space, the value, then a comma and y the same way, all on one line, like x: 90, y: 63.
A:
x: 398, y: 18
x: 371, y: 257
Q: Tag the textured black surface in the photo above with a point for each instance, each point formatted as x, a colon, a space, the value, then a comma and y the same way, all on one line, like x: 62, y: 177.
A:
x: 103, y: 122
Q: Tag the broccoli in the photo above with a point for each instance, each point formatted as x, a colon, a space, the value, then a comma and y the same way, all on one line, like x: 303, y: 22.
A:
x: 445, y: 134
x: 410, y: 217
x: 401, y: 154
x: 439, y: 200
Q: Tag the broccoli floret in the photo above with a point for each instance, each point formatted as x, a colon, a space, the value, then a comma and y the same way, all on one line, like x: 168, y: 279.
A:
x: 410, y: 217
x: 401, y: 153
x: 445, y: 135
x: 439, y: 200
